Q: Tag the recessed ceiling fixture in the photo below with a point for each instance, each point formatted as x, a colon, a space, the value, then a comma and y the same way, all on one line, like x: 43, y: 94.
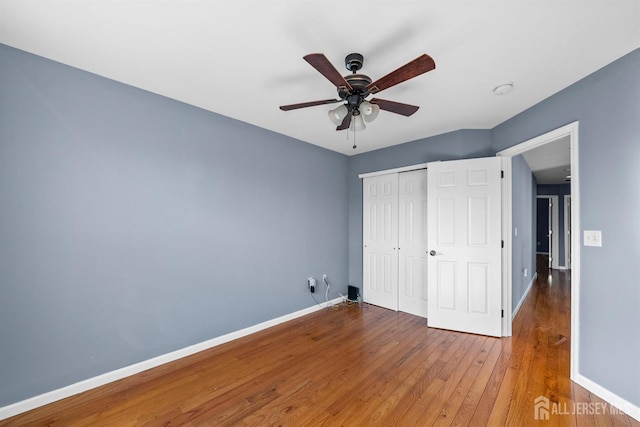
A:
x: 353, y: 89
x: 503, y: 89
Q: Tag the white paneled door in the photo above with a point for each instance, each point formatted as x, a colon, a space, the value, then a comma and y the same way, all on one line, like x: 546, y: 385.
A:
x: 395, y: 241
x: 380, y: 239
x: 464, y: 228
x: 412, y: 242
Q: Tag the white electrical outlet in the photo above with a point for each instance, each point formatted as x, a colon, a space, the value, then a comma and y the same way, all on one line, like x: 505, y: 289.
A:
x: 592, y: 237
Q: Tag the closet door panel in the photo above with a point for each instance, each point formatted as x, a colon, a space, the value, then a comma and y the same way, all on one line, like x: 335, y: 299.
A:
x: 412, y: 243
x: 380, y: 239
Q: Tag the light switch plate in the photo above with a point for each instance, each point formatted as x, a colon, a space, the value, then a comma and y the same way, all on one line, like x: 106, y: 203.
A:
x: 592, y: 238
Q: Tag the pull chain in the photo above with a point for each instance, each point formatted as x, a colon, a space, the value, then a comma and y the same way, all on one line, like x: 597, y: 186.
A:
x: 354, y: 137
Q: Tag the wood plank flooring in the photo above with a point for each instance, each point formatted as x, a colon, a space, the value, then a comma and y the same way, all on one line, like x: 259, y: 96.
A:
x: 356, y: 365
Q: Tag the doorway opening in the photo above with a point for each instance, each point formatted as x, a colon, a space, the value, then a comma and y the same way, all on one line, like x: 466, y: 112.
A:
x: 544, y: 235
x: 547, y: 232
x: 544, y: 146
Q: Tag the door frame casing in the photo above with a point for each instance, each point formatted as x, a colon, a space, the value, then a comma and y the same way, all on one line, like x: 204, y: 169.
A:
x: 566, y: 231
x: 570, y: 130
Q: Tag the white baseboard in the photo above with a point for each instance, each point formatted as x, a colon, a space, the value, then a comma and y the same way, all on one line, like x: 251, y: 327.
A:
x: 524, y: 297
x: 608, y: 396
x: 118, y: 374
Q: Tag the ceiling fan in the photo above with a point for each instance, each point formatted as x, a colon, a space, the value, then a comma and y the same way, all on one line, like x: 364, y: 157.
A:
x: 353, y: 89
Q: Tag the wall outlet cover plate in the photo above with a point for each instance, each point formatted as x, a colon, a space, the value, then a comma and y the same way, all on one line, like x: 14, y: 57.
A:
x: 592, y: 237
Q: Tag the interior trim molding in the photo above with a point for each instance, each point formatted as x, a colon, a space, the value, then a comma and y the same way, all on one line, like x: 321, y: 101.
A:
x: 608, y: 396
x: 507, y: 264
x: 524, y: 297
x: 118, y: 374
x: 395, y: 170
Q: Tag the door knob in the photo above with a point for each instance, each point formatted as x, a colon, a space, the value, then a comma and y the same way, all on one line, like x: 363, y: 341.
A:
x: 432, y: 253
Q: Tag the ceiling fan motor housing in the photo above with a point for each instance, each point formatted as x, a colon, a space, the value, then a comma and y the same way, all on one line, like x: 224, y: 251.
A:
x: 358, y: 82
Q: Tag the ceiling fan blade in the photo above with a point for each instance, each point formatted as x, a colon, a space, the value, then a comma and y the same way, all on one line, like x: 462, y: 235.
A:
x: 418, y: 66
x: 322, y: 64
x: 346, y: 122
x: 395, y: 107
x: 308, y: 104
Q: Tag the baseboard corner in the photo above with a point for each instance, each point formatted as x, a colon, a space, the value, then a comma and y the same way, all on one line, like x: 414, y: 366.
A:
x: 608, y: 396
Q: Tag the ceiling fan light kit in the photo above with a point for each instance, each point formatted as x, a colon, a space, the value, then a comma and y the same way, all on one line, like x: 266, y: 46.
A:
x: 338, y: 114
x: 357, y: 124
x: 353, y: 89
x: 369, y: 111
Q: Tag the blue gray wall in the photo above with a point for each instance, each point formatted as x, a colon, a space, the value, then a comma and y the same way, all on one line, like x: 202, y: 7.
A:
x: 523, y: 196
x: 132, y: 225
x: 607, y: 105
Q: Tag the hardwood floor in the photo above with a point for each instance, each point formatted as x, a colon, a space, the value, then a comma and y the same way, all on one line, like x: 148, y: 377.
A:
x: 357, y: 365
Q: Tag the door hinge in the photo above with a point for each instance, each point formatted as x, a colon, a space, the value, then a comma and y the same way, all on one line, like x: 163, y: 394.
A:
x: 502, y: 244
x: 503, y: 314
x: 501, y: 174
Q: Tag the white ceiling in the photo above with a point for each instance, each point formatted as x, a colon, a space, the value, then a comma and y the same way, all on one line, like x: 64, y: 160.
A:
x: 243, y: 58
x: 551, y: 162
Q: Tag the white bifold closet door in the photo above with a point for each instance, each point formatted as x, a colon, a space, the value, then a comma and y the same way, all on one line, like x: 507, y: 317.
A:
x: 412, y: 243
x: 395, y: 241
x: 380, y: 239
